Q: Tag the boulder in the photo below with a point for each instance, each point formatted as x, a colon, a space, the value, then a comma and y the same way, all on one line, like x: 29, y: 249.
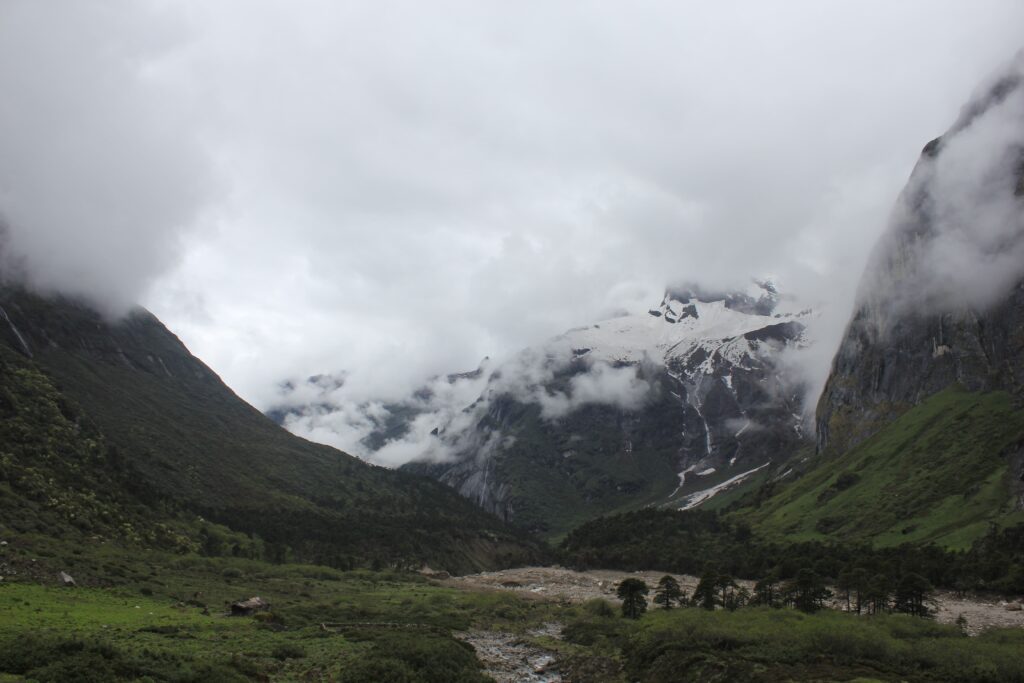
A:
x: 245, y: 608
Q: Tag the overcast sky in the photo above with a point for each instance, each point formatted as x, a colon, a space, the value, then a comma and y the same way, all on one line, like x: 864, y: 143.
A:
x: 396, y: 189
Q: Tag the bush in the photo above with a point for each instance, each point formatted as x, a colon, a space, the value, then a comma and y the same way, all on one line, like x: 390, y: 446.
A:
x: 415, y: 657
x: 846, y: 480
x: 588, y: 633
x: 288, y: 651
x: 599, y: 607
x: 383, y: 670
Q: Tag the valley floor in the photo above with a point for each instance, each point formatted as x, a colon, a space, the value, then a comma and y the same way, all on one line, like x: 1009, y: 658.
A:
x: 981, y: 612
x: 150, y: 616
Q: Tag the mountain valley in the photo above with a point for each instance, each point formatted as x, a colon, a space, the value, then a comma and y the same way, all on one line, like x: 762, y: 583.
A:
x: 675, y: 493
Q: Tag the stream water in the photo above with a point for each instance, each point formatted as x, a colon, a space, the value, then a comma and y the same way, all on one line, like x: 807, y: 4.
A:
x: 508, y: 658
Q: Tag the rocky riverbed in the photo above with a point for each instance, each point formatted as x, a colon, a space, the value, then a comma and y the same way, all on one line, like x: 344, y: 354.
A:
x: 508, y: 658
x: 981, y: 612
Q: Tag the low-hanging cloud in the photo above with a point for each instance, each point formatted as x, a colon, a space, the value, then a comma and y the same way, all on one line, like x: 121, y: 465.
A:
x: 101, y: 164
x: 440, y: 420
x: 397, y: 189
x: 957, y: 239
x: 602, y: 384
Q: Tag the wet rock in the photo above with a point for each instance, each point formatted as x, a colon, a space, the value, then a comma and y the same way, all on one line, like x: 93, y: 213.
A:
x: 507, y: 658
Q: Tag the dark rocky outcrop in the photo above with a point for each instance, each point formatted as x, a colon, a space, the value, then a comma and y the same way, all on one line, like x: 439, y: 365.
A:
x: 942, y: 300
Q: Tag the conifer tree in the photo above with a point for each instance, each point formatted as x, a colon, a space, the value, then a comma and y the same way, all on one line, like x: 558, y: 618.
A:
x: 706, y: 593
x: 911, y: 595
x: 668, y: 592
x: 633, y: 593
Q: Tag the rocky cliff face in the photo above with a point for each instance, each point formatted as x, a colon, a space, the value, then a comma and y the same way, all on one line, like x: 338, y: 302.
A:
x: 942, y: 300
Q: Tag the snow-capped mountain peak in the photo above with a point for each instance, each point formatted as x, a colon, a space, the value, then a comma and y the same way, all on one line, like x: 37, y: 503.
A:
x: 687, y: 320
x: 668, y: 405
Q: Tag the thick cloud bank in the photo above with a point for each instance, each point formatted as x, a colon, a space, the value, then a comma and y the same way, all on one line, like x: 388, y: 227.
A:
x: 101, y: 166
x: 957, y: 239
x: 392, y: 190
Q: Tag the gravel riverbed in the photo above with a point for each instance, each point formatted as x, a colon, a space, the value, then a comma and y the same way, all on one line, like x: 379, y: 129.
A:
x: 981, y: 612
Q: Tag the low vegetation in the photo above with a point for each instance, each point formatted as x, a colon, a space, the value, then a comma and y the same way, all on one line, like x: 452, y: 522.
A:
x: 151, y: 616
x: 765, y: 644
x: 164, y: 616
x: 941, y: 473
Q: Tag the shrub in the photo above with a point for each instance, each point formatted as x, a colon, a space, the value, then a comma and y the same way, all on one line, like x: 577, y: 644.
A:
x: 599, y: 607
x: 288, y: 651
x: 383, y: 670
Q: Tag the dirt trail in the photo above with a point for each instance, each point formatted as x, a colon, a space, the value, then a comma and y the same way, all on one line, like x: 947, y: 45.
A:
x: 980, y: 612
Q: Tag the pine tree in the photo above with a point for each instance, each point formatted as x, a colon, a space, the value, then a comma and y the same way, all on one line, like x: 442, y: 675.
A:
x: 859, y: 581
x: 845, y: 586
x: 911, y: 595
x: 807, y: 592
x: 766, y: 591
x: 668, y: 592
x: 727, y: 587
x: 876, y: 594
x: 706, y: 593
x: 633, y: 593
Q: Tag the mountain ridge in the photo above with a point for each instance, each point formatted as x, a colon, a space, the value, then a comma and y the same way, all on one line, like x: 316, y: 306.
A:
x: 193, y: 441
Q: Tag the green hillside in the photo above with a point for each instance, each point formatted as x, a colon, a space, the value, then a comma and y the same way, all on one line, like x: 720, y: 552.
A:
x: 110, y: 424
x: 942, y: 472
x: 59, y: 478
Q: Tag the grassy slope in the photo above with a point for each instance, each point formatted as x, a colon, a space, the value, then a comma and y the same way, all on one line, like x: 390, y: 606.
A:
x: 190, y: 444
x: 144, y: 610
x: 59, y: 477
x: 938, y: 473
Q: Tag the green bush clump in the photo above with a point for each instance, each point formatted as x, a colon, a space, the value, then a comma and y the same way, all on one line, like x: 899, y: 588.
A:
x: 288, y: 651
x: 599, y: 607
x: 414, y: 657
x: 56, y: 659
x: 690, y: 644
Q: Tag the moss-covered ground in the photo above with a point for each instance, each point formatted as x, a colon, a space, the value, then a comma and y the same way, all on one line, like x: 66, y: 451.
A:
x: 939, y: 473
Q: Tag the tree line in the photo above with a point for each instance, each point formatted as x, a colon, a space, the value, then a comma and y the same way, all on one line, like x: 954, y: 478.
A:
x: 808, y: 592
x: 692, y: 541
